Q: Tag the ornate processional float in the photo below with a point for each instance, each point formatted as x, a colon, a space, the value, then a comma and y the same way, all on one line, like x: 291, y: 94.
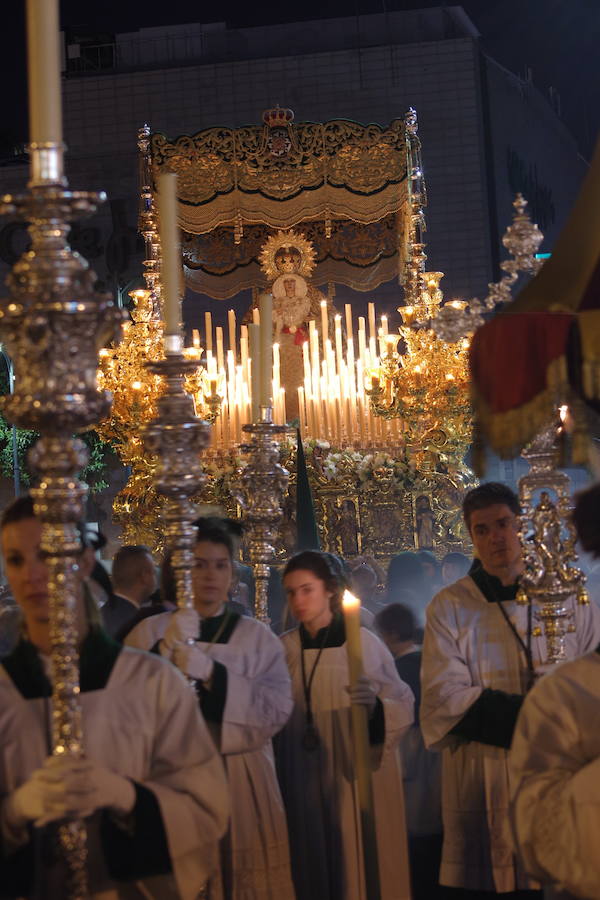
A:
x: 383, y: 412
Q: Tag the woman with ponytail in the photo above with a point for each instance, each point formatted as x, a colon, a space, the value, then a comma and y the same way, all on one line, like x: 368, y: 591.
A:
x: 314, y: 750
x: 238, y: 668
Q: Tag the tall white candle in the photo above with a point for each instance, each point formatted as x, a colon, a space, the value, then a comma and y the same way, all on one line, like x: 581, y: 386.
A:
x: 372, y: 329
x: 232, y: 335
x: 266, y: 348
x: 361, y: 750
x: 208, y: 329
x: 170, y: 253
x: 220, y: 353
x: 43, y: 72
x: 324, y: 322
x: 254, y: 334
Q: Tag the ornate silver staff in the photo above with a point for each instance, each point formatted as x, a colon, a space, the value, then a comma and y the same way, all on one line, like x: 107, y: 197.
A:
x: 548, y: 537
x: 53, y: 325
x: 264, y: 483
x: 177, y: 436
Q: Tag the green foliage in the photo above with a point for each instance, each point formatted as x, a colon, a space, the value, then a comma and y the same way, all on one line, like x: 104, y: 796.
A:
x: 94, y: 473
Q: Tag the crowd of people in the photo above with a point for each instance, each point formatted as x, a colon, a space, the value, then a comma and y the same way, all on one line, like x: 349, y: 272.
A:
x: 218, y: 756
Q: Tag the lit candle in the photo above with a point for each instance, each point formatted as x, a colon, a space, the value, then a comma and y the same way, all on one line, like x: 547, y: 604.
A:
x: 338, y: 343
x: 301, y: 412
x: 43, y: 72
x: 195, y: 339
x: 232, y: 340
x: 324, y: 322
x: 254, y: 333
x: 266, y: 348
x: 351, y: 607
x: 256, y: 316
x: 276, y: 370
x: 220, y: 352
x: 244, y: 352
x: 208, y: 330
x: 384, y: 325
x: 372, y: 329
x: 362, y: 341
x: 170, y: 253
x: 349, y: 326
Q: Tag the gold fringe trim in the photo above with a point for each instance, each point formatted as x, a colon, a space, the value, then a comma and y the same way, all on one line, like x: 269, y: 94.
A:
x: 589, y: 330
x: 507, y: 433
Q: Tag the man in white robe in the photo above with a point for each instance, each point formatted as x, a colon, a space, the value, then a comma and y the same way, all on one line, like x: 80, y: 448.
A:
x: 554, y: 767
x: 554, y: 761
x: 479, y: 659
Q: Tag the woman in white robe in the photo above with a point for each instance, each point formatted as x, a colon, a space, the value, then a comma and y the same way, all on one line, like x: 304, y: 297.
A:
x: 314, y: 750
x: 151, y: 786
x: 554, y: 766
x: 244, y: 692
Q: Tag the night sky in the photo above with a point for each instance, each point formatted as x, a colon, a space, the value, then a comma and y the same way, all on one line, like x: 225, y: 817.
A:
x: 557, y: 39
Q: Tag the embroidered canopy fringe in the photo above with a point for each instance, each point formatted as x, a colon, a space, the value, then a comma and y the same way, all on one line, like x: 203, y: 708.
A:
x: 329, y: 170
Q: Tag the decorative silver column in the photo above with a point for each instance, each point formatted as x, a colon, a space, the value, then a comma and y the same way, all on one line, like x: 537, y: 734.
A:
x: 177, y: 436
x: 264, y: 482
x: 53, y: 325
x: 548, y: 536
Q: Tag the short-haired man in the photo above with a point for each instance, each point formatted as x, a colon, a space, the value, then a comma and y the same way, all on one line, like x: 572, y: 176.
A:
x: 555, y: 759
x: 480, y: 657
x: 134, y: 581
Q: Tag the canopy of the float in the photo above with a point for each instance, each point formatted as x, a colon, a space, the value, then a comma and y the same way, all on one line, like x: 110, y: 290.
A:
x: 543, y: 350
x: 342, y: 184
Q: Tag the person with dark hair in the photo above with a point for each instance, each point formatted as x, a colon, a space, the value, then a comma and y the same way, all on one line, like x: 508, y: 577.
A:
x: 314, y: 750
x: 134, y: 581
x: 150, y: 786
x: 586, y: 518
x: 431, y: 571
x: 405, y: 572
x: 238, y: 669
x: 554, y: 761
x: 455, y: 565
x: 480, y: 657
x: 421, y: 769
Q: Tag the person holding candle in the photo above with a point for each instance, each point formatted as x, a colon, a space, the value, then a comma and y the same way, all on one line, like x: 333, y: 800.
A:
x: 150, y: 785
x: 315, y: 757
x: 243, y: 688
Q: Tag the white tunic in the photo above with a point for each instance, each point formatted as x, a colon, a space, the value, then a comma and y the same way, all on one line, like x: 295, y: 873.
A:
x: 144, y: 724
x: 258, y: 705
x: 469, y: 646
x: 319, y: 787
x: 554, y: 765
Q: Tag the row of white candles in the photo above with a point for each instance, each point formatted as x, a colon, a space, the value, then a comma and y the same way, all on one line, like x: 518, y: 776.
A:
x: 333, y: 403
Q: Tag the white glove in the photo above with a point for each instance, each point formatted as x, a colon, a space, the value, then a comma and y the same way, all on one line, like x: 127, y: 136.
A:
x: 53, y: 792
x: 363, y: 694
x: 87, y: 787
x: 193, y: 661
x: 184, y: 626
x: 35, y: 799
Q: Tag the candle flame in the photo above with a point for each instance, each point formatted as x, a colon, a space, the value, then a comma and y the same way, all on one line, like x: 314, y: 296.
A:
x: 350, y: 601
